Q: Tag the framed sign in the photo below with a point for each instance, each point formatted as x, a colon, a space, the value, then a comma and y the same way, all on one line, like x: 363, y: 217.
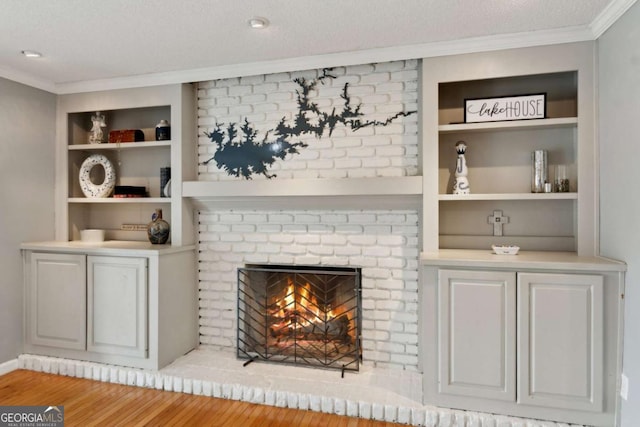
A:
x: 521, y: 107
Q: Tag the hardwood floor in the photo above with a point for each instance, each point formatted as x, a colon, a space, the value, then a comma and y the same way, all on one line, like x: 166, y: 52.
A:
x: 94, y: 403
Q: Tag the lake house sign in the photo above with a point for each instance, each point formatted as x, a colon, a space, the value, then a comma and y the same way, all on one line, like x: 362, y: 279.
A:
x: 505, y: 108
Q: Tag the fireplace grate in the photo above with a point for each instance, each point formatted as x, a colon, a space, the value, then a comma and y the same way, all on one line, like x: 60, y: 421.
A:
x: 300, y: 315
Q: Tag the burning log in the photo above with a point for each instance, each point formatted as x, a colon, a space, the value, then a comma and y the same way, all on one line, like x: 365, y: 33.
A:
x: 280, y: 329
x: 336, y: 329
x: 333, y: 329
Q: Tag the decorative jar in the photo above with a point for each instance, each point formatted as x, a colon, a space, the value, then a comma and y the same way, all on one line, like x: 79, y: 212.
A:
x: 158, y: 229
x: 163, y: 131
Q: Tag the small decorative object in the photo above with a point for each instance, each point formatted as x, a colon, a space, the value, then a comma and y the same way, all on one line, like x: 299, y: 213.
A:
x: 126, y: 135
x: 498, y: 220
x: 128, y: 191
x: 524, y: 107
x: 97, y: 135
x: 461, y: 185
x: 548, y: 188
x: 89, y: 189
x: 92, y: 235
x: 163, y: 131
x: 562, y: 180
x: 158, y: 229
x: 505, y: 249
x: 166, y: 190
x: 165, y: 182
x: 539, y: 171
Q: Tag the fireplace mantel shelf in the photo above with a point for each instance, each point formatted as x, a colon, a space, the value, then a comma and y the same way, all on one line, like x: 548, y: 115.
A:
x: 332, y: 193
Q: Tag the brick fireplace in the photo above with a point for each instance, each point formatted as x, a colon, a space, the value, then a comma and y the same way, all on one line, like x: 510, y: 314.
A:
x: 380, y: 238
x: 384, y: 244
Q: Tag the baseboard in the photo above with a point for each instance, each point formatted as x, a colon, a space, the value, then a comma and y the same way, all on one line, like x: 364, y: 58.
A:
x: 8, y: 366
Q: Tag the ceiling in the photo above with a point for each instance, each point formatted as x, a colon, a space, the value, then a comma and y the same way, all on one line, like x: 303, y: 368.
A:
x: 98, y: 44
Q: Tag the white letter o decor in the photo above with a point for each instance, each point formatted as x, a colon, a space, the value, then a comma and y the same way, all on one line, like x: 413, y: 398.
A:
x: 89, y: 188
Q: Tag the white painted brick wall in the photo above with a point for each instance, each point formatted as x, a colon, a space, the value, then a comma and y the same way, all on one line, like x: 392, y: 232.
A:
x: 383, y: 90
x: 384, y: 243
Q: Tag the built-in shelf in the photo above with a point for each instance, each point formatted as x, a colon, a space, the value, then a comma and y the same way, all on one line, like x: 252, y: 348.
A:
x: 524, y: 259
x: 118, y: 200
x: 563, y: 122
x: 334, y: 193
x: 119, y: 146
x: 508, y: 196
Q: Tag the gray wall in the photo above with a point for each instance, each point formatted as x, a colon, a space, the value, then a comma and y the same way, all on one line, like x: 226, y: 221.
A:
x: 27, y: 146
x: 619, y: 104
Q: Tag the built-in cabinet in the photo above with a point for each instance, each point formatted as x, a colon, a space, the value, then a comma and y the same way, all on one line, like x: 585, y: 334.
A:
x: 477, y: 317
x: 53, y: 281
x: 537, y: 334
x: 124, y: 303
x: 122, y: 300
x: 560, y: 340
x: 534, y: 335
x: 117, y: 305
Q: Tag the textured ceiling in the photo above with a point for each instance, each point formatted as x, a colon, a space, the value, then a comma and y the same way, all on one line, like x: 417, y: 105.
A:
x: 87, y: 40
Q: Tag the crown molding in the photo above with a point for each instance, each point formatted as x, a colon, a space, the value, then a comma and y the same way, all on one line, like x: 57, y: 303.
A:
x: 27, y: 79
x: 609, y: 16
x: 470, y: 45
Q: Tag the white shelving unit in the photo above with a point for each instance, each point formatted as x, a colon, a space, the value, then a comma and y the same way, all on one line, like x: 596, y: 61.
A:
x: 136, y: 163
x: 508, y: 196
x: 494, y: 327
x: 499, y: 153
x: 561, y: 122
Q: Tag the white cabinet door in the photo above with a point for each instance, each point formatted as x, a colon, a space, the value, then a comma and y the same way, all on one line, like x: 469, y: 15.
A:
x: 57, y: 300
x: 476, y: 329
x: 560, y: 347
x: 117, y: 305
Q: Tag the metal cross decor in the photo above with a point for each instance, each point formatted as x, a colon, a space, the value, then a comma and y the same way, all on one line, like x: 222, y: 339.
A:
x: 497, y: 219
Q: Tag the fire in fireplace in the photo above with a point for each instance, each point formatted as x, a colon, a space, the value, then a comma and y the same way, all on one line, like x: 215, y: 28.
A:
x: 301, y: 315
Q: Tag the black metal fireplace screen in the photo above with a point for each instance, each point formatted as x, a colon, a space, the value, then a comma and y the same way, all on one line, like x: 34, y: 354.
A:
x: 300, y: 315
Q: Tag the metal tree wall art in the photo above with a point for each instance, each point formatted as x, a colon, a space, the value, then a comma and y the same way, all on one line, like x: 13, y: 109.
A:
x: 241, y: 153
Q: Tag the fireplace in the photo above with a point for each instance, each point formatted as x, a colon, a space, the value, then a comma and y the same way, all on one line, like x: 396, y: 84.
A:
x: 300, y: 315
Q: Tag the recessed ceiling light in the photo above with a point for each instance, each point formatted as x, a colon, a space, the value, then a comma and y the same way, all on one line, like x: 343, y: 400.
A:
x: 258, y: 22
x: 31, y: 54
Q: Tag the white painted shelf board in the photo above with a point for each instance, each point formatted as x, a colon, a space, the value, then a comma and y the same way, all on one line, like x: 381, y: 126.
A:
x: 508, y: 196
x: 120, y: 200
x: 472, y: 258
x: 563, y: 122
x: 119, y: 146
x: 393, y: 186
x: 108, y: 247
x: 321, y: 193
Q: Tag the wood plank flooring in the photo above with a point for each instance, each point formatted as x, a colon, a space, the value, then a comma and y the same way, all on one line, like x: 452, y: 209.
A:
x: 94, y: 403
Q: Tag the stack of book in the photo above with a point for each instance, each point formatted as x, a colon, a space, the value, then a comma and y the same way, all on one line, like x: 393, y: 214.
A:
x: 124, y: 191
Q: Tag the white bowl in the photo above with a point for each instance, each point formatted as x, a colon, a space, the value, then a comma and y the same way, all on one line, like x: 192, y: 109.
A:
x: 92, y: 235
x: 505, y: 250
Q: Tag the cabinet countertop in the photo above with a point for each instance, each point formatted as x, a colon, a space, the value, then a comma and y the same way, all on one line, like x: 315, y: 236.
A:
x: 108, y: 247
x: 523, y: 260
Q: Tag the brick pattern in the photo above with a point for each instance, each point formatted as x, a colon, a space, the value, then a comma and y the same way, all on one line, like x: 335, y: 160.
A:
x: 384, y: 243
x: 416, y: 415
x: 383, y: 90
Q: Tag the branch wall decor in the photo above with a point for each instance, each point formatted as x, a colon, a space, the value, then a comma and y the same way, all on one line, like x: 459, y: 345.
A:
x: 242, y: 152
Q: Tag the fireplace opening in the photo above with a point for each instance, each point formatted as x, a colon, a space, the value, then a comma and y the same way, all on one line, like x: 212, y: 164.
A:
x: 300, y: 315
